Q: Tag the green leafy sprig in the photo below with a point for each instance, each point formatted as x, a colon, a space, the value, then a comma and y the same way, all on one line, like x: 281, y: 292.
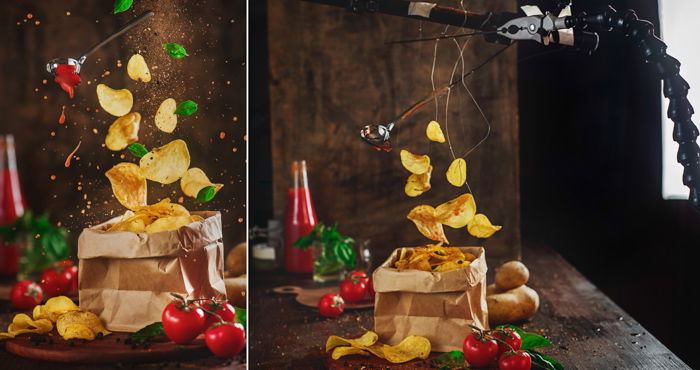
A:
x: 47, y: 243
x: 336, y: 247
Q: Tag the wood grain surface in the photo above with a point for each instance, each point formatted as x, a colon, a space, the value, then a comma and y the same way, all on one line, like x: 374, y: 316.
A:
x: 331, y: 74
x: 588, y: 330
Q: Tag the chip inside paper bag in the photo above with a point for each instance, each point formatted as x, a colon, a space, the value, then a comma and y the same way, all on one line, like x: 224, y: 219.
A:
x: 440, y: 306
x: 126, y: 278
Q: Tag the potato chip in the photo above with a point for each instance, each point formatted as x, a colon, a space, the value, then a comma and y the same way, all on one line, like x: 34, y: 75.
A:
x: 415, y: 163
x: 457, y: 172
x: 196, y: 218
x: 195, y: 180
x: 168, y: 223
x: 418, y: 184
x: 137, y: 69
x: 457, y: 212
x: 339, y: 352
x: 481, y: 227
x: 164, y: 208
x: 87, y: 319
x: 135, y: 224
x: 60, y: 305
x: 166, y: 119
x: 451, y: 265
x: 434, y: 132
x: 22, y: 324
x: 166, y: 164
x: 114, y: 102
x: 128, y: 184
x: 426, y: 221
x: 410, y: 348
x: 123, y: 131
x: 367, y: 339
x: 78, y: 331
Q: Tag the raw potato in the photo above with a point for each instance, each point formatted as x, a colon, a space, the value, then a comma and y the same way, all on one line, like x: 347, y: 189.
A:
x: 235, y: 261
x: 512, y: 306
x: 511, y: 275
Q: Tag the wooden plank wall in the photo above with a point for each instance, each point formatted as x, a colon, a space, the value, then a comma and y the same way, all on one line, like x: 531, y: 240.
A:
x: 214, y: 33
x: 331, y: 73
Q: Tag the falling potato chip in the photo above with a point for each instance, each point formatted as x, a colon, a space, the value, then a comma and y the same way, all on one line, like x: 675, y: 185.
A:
x: 137, y: 69
x: 114, y: 102
x: 166, y: 119
x: 457, y: 212
x: 166, y: 164
x: 367, y: 339
x: 410, y: 348
x: 195, y: 180
x: 418, y: 184
x: 457, y: 172
x: 168, y: 223
x: 481, y: 227
x: 123, y: 131
x: 128, y: 184
x: 78, y: 331
x: 87, y: 319
x: 417, y: 164
x: 434, y: 132
x: 339, y: 352
x: 425, y: 218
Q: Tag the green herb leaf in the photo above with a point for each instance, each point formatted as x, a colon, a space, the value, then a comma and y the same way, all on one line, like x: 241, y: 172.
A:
x: 138, y: 150
x: 175, y: 50
x: 186, y: 108
x: 122, y: 5
x: 304, y: 242
x: 530, y: 340
x: 147, y: 333
x: 542, y: 361
x: 206, y: 194
x: 449, y: 360
x: 345, y: 253
x: 241, y: 316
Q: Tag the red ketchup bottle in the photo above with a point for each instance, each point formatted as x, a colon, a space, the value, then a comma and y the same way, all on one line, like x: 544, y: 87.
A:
x: 299, y: 219
x: 11, y: 203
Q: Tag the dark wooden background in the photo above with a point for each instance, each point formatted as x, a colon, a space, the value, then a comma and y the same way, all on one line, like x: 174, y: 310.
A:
x: 331, y: 73
x: 214, y: 34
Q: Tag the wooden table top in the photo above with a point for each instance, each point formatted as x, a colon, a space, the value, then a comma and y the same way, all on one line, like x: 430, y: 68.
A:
x: 589, y: 331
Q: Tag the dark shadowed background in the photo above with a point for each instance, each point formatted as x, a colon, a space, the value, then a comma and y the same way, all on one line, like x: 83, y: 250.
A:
x: 214, y: 34
x: 590, y: 155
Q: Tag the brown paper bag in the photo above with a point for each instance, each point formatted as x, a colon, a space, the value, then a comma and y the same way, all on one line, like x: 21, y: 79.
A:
x: 437, y: 305
x: 125, y: 278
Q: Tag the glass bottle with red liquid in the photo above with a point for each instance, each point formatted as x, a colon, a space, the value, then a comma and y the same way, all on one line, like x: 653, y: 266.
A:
x: 299, y: 219
x: 11, y: 203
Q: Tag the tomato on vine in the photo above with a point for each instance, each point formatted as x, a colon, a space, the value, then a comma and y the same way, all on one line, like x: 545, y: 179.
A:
x: 182, y: 320
x: 480, y: 349
x: 508, y: 339
x: 515, y: 360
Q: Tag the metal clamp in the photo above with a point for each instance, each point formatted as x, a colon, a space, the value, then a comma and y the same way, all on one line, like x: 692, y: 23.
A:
x: 362, y: 6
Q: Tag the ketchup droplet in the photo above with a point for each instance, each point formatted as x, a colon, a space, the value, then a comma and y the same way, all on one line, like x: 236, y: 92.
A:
x: 67, y: 78
x: 62, y: 117
x: 70, y: 156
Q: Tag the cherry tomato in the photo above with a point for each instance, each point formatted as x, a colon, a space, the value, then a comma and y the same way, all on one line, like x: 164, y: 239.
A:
x: 480, y: 350
x: 509, y: 336
x: 331, y: 305
x: 182, y: 323
x: 221, y: 308
x: 359, y: 275
x: 68, y: 265
x: 518, y: 360
x: 26, y: 294
x: 353, y: 289
x: 225, y: 340
x: 370, y: 288
x: 54, y: 282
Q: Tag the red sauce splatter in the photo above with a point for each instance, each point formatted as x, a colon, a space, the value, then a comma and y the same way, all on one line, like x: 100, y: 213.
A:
x: 67, y: 78
x: 62, y: 117
x: 70, y: 156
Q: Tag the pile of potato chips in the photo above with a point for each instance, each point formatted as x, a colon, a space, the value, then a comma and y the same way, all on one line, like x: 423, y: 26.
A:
x: 71, y: 323
x: 433, y: 257
x: 457, y: 213
x: 410, y: 348
x: 166, y: 164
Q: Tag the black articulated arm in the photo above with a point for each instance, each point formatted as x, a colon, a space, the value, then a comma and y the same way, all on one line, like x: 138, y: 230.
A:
x: 675, y: 88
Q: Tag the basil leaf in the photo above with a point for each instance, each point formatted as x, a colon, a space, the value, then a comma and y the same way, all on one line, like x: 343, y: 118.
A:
x: 122, y: 5
x: 175, y: 50
x: 345, y: 253
x: 241, y: 316
x: 543, y: 361
x: 186, y: 108
x: 449, y: 360
x: 304, y: 242
x: 530, y: 340
x: 147, y: 333
x: 206, y: 194
x: 138, y: 150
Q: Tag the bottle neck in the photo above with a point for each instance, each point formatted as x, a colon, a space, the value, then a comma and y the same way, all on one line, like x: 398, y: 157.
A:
x: 299, y: 176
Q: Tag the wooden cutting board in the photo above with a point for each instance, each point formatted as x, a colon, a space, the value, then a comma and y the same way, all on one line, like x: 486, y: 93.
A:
x: 310, y: 297
x: 110, y: 349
